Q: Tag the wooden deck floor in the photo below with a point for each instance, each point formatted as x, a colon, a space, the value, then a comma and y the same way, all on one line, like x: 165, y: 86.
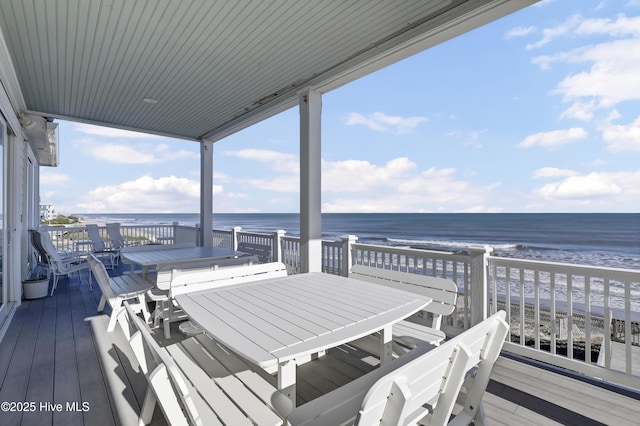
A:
x: 57, y: 351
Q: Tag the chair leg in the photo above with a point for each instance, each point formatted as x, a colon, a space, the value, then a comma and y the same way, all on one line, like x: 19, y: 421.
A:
x: 480, y: 418
x: 113, y: 318
x: 167, y: 328
x: 103, y: 300
x: 55, y: 283
x: 143, y: 307
x: 148, y: 405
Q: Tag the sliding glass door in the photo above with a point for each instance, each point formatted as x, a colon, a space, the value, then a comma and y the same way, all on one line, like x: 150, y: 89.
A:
x: 3, y: 239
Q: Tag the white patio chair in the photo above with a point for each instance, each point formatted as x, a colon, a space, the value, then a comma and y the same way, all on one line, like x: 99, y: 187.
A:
x: 116, y: 240
x: 115, y: 290
x: 99, y: 248
x: 58, y: 265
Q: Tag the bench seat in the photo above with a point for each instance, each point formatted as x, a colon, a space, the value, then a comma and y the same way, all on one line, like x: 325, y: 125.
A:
x: 115, y: 290
x: 197, y: 381
x: 415, y: 331
x: 262, y: 251
x: 423, y: 384
x: 186, y: 277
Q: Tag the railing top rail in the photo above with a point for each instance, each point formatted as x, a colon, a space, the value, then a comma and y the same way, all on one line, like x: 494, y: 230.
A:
x: 260, y: 234
x: 567, y: 268
x: 401, y: 249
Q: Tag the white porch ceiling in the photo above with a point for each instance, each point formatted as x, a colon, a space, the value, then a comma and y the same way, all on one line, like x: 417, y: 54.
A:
x: 213, y: 66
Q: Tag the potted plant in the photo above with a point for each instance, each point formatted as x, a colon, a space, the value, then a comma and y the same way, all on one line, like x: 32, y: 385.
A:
x: 36, y: 285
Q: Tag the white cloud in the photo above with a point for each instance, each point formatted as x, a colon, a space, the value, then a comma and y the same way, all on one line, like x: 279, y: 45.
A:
x: 280, y: 161
x: 481, y: 209
x: 542, y: 3
x: 109, y: 131
x: 554, y: 138
x: 136, y: 153
x: 595, y: 188
x: 621, y: 26
x: 470, y: 138
x: 552, y: 172
x: 399, y: 186
x: 381, y: 122
x: 519, y: 32
x: 580, y: 111
x: 360, y: 175
x: 549, y: 34
x: 48, y: 178
x: 168, y: 194
x: 622, y: 137
x: 576, y: 25
x: 612, y: 78
x: 284, y: 183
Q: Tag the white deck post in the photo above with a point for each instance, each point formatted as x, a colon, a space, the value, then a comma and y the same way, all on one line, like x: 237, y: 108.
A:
x: 479, y: 284
x: 278, y: 256
x: 310, y: 181
x: 206, y: 194
x: 234, y: 237
x: 347, y: 255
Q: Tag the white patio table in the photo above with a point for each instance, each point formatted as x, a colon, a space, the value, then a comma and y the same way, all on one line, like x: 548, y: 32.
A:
x: 163, y: 256
x: 276, y: 321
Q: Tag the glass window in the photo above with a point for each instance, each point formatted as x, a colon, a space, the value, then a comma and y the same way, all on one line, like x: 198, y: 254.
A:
x: 3, y: 249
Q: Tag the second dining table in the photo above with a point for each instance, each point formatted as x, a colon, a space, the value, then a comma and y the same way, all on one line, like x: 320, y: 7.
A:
x: 168, y: 256
x: 274, y: 322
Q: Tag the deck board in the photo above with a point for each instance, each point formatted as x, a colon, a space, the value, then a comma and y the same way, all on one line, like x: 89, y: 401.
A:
x: 66, y: 381
x: 57, y: 349
x: 42, y: 389
x: 565, y: 392
x: 18, y: 374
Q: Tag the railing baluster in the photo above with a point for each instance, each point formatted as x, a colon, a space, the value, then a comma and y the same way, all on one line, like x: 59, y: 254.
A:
x: 570, y: 316
x: 606, y: 345
x: 587, y: 319
x: 522, y: 308
x: 536, y: 308
x: 553, y: 320
x: 628, y: 338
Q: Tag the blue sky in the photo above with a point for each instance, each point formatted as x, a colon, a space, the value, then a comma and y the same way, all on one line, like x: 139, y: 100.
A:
x: 536, y: 112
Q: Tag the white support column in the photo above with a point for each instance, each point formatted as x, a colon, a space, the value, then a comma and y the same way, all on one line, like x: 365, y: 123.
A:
x: 479, y: 283
x: 310, y: 181
x: 206, y: 194
x: 347, y: 255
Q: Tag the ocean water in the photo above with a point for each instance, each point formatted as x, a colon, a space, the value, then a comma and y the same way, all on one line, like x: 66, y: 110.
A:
x: 598, y: 239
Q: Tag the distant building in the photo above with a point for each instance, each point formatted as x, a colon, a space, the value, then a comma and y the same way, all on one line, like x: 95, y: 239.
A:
x: 47, y: 212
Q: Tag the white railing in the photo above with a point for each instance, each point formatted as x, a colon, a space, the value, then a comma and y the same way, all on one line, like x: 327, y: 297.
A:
x: 424, y: 262
x: 570, y: 313
x: 75, y: 238
x: 290, y: 249
x: 561, y: 314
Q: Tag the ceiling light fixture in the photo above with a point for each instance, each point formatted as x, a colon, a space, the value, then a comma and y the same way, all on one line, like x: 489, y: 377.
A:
x: 150, y: 101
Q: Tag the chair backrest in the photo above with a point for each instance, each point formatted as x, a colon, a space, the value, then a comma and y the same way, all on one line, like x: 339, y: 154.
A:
x: 484, y: 353
x: 263, y: 251
x: 433, y: 381
x: 134, y: 249
x: 96, y: 239
x: 102, y: 277
x: 195, y: 280
x: 115, y: 237
x: 36, y: 242
x: 50, y: 250
x: 167, y: 273
x: 443, y: 292
x: 166, y: 381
